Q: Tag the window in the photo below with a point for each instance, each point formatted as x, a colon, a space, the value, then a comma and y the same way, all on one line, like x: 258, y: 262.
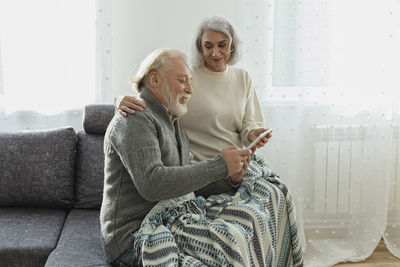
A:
x: 47, y: 55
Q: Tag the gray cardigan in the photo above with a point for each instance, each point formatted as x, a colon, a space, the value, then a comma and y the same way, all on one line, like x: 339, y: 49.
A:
x: 147, y: 160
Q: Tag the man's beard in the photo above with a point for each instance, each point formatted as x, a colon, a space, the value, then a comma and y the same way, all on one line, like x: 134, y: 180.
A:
x: 175, y: 108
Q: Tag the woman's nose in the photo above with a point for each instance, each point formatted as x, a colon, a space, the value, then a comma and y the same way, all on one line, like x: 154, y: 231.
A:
x: 215, y: 51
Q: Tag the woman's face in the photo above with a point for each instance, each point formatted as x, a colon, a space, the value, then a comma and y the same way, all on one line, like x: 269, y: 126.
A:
x: 215, y: 49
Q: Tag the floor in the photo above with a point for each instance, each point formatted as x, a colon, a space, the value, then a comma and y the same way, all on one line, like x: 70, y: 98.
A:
x: 380, y: 258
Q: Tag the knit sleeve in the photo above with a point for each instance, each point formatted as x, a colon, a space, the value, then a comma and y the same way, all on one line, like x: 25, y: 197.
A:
x: 253, y: 116
x: 137, y: 144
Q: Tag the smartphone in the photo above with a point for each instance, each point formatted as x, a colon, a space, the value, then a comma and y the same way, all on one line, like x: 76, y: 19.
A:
x: 259, y: 138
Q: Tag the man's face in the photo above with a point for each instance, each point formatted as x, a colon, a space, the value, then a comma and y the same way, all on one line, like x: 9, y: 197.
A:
x: 176, y: 88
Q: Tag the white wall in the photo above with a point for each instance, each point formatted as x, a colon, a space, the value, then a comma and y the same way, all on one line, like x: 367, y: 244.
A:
x: 139, y: 27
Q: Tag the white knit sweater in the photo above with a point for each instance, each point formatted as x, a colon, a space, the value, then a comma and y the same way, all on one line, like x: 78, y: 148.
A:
x: 224, y: 108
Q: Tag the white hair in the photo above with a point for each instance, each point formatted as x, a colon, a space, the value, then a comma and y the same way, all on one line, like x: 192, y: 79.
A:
x: 221, y: 25
x: 153, y: 62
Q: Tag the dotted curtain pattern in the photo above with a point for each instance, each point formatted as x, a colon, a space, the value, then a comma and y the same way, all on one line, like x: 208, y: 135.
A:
x: 104, y: 92
x: 326, y: 74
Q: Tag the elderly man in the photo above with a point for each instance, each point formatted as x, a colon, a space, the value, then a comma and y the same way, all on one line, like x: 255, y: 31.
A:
x: 147, y: 156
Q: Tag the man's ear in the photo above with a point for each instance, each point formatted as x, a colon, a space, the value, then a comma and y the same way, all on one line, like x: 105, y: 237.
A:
x: 155, y: 79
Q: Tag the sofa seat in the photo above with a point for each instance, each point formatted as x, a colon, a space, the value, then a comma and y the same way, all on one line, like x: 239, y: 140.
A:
x: 28, y: 235
x: 80, y: 241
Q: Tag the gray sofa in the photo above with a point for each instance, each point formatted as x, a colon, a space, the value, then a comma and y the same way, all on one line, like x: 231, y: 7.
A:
x: 51, y: 185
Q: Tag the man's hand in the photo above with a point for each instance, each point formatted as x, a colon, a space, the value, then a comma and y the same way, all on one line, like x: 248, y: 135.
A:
x: 256, y: 132
x: 128, y: 104
x: 236, y: 178
x: 237, y: 161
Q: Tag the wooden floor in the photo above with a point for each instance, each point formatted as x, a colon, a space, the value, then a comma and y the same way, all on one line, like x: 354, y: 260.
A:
x: 380, y: 258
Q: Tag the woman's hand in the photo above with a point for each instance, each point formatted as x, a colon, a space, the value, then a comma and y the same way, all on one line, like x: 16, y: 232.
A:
x: 128, y: 104
x: 256, y: 132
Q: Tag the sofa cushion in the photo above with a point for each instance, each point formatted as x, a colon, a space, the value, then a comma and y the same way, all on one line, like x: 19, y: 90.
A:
x: 37, y: 168
x: 89, y: 171
x: 97, y: 118
x: 80, y: 241
x: 28, y: 235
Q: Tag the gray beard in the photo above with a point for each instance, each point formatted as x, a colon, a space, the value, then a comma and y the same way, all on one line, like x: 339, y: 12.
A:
x: 175, y: 108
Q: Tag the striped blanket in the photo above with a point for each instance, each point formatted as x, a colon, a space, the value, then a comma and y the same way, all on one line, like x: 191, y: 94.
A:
x: 253, y: 226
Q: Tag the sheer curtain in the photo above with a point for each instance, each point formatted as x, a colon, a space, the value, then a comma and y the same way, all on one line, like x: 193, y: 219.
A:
x: 330, y: 89
x: 47, y: 62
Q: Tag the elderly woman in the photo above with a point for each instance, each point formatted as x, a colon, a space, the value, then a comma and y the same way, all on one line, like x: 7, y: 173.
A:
x: 224, y: 109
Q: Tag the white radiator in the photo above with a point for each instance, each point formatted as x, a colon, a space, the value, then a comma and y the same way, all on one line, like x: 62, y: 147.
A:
x: 338, y: 149
x: 341, y: 153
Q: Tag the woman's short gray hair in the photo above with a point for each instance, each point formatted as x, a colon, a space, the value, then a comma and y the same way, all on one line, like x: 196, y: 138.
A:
x: 221, y: 25
x: 153, y: 62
